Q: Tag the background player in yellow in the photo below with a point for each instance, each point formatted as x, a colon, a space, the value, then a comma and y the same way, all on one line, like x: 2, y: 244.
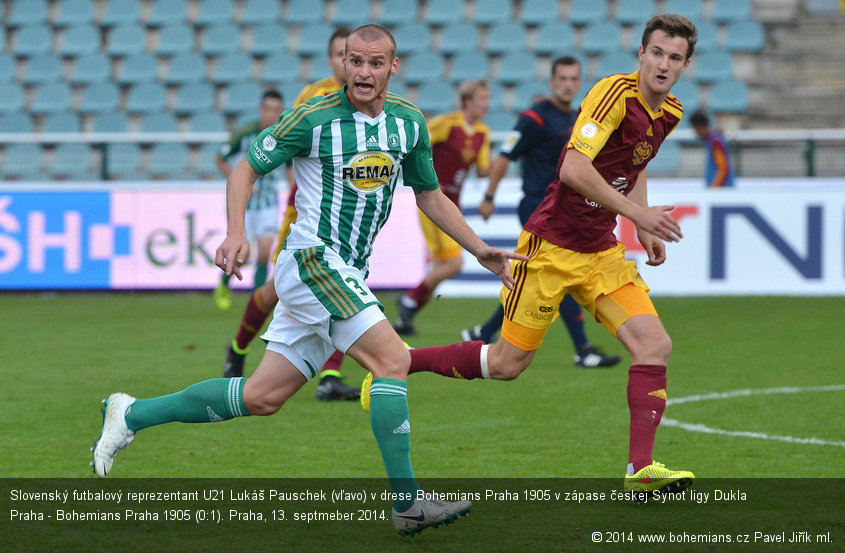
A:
x: 459, y: 140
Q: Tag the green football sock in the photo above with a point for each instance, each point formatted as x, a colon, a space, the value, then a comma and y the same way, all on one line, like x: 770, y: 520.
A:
x: 260, y: 275
x: 392, y: 429
x: 224, y: 279
x: 214, y: 400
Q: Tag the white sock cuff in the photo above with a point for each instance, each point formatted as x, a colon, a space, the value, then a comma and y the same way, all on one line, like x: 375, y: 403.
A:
x: 484, y: 372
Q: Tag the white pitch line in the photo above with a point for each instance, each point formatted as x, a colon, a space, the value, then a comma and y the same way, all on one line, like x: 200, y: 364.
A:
x: 746, y: 393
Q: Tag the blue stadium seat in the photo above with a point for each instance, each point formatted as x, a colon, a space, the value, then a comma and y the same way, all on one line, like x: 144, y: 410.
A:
x: 80, y: 40
x: 11, y: 98
x: 725, y: 11
x: 713, y: 66
x: 51, y: 98
x: 635, y: 12
x: 497, y: 96
x: 159, y: 122
x: 458, y: 38
x: 267, y: 39
x: 123, y: 161
x: 602, y: 38
x: 587, y: 12
x: 146, y: 98
x: 398, y: 87
x: 45, y: 68
x: 500, y: 120
x: 169, y: 161
x: 213, y: 12
x: 168, y: 12
x: 15, y: 122
x: 73, y: 161
x: 289, y: 93
x: 126, y: 39
x: 516, y: 67
x: 194, y: 97
x: 691, y: 9
x: 444, y: 12
x: 206, y: 122
x: 2, y: 39
x: 305, y: 12
x: 22, y: 162
x: 174, y: 40
x: 232, y: 68
x: 728, y: 96
x: 316, y: 68
x: 505, y: 37
x: 74, y: 12
x: 61, y: 123
x: 280, y: 68
x: 492, y: 12
x: 206, y: 168
x: 260, y: 12
x: 221, y: 39
x: 100, y: 98
x: 708, y: 37
x: 420, y: 68
x: 554, y: 39
x: 412, y: 38
x: 536, y: 12
x: 667, y: 160
x: 8, y: 68
x: 185, y: 69
x: 351, y: 13
x: 745, y: 36
x: 313, y: 39
x: 110, y: 122
x: 27, y: 12
x: 611, y: 63
x: 398, y: 12
x: 121, y: 12
x: 526, y: 91
x: 436, y: 97
x: 138, y: 68
x: 33, y: 40
x: 688, y: 93
x: 469, y: 66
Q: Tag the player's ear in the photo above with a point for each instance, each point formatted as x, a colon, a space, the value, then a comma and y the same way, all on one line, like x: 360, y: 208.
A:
x: 394, y: 66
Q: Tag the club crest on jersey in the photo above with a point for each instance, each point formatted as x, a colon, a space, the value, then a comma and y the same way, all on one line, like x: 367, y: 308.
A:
x: 642, y: 152
x: 393, y: 141
x: 369, y: 171
x: 269, y: 143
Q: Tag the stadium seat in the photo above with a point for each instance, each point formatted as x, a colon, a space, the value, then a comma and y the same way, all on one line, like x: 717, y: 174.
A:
x: 11, y: 98
x: 469, y: 66
x: 27, y: 12
x: 194, y: 97
x: 22, y: 162
x: 316, y: 68
x: 554, y: 39
x: 725, y: 11
x: 492, y: 12
x: 146, y: 98
x: 51, y: 98
x: 503, y: 38
x: 436, y: 97
x: 412, y: 38
x: 110, y: 122
x: 33, y: 40
x: 527, y: 91
x: 15, y: 122
x: 601, y: 38
x: 708, y: 37
x: 611, y: 63
x: 138, y: 68
x: 170, y: 161
x: 123, y: 161
x: 218, y: 40
x: 634, y: 12
x: 121, y: 12
x: 313, y: 39
x: 206, y: 168
x: 126, y: 39
x: 458, y: 38
x: 185, y: 69
x: 351, y: 13
x: 159, y: 122
x: 667, y: 160
x: 100, y: 98
x: 398, y: 12
x: 232, y: 68
x: 728, y: 96
x: 174, y: 40
x: 80, y: 40
x: 688, y: 93
x: 444, y: 12
x: 691, y: 9
x: 587, y: 12
x: 168, y: 12
x: 74, y: 12
x: 713, y: 66
x: 280, y: 68
x: 745, y: 36
x: 73, y: 161
x: 260, y: 12
x: 61, y: 123
x: 213, y: 12
x: 500, y: 120
x: 45, y: 68
x: 497, y: 96
x: 305, y: 12
x: 516, y: 67
x: 536, y: 12
x: 267, y: 40
x: 423, y: 67
x: 206, y: 122
x: 8, y: 68
x: 289, y: 92
x: 398, y: 87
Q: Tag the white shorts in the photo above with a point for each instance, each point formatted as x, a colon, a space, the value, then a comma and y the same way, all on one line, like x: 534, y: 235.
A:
x: 261, y: 222
x: 324, y: 305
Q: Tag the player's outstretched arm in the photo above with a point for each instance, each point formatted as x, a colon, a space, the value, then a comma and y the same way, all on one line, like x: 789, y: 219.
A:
x: 234, y: 250
x: 448, y: 217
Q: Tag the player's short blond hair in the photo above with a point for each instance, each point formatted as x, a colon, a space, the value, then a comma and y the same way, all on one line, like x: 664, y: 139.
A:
x: 372, y: 33
x: 467, y: 89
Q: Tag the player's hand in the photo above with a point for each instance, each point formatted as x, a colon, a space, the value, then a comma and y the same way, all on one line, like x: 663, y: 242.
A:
x: 657, y: 221
x: 498, y: 262
x: 486, y: 209
x: 231, y: 254
x: 654, y: 247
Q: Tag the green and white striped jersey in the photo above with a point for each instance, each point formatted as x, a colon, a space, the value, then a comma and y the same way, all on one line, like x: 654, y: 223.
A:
x: 346, y: 166
x: 265, y: 192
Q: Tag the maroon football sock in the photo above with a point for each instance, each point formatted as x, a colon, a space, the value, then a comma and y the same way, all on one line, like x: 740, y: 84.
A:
x: 646, y: 401
x: 421, y: 294
x: 334, y: 362
x: 460, y: 360
x: 252, y: 321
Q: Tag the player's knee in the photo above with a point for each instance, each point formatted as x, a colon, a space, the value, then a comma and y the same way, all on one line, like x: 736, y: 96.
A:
x: 656, y: 346
x: 504, y: 366
x: 267, y: 293
x: 260, y: 404
x: 392, y: 363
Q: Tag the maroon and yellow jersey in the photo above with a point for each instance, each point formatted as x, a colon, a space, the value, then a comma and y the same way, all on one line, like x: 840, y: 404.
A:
x: 455, y: 146
x: 617, y: 129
